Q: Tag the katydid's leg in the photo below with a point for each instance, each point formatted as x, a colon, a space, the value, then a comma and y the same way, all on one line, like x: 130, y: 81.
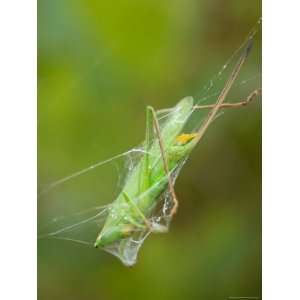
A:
x: 153, y: 227
x: 144, y: 174
x: 244, y: 102
x: 131, y: 202
x: 165, y: 160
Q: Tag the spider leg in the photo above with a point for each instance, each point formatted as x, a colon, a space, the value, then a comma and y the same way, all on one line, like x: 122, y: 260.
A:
x: 165, y: 160
x: 244, y: 102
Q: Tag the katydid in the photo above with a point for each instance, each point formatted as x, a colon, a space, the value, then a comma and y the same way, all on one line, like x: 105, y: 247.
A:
x: 152, y: 175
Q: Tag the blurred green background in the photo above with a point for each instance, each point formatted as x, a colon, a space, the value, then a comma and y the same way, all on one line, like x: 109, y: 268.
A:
x: 99, y: 64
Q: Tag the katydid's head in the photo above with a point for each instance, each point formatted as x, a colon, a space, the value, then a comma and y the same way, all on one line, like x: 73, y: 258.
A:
x: 113, y: 233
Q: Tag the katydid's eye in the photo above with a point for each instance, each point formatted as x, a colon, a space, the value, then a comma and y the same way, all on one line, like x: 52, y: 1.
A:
x: 185, y: 138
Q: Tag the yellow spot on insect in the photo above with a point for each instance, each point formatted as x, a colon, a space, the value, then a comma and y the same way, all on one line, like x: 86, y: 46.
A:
x: 185, y: 138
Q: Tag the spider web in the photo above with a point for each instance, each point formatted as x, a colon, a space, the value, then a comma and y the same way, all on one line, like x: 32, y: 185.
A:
x: 83, y: 225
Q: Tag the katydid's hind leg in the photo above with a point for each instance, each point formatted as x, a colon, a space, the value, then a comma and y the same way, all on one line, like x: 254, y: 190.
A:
x: 151, y: 226
x: 244, y: 102
x: 138, y: 211
x: 165, y: 161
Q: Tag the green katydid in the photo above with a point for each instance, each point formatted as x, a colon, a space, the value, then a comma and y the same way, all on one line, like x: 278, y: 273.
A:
x: 132, y: 210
